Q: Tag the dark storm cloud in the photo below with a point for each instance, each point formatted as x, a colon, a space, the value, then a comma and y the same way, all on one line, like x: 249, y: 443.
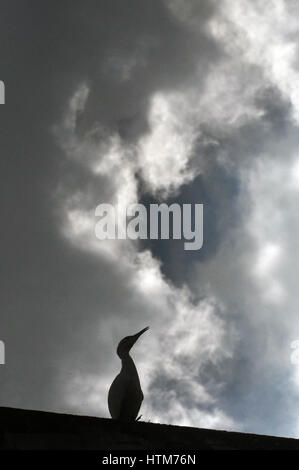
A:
x: 56, y: 299
x: 124, y: 51
x: 133, y: 50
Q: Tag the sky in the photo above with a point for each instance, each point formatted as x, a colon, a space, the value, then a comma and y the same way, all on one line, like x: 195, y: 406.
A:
x: 149, y: 102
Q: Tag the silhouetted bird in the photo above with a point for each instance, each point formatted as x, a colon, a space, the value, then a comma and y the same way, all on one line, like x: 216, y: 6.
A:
x: 125, y: 395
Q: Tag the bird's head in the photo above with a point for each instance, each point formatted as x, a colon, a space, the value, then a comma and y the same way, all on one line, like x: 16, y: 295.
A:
x: 126, y: 343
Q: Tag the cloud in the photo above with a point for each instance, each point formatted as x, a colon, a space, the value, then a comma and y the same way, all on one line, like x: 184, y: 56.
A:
x: 169, y: 310
x: 164, y: 152
x: 230, y: 135
x: 180, y: 101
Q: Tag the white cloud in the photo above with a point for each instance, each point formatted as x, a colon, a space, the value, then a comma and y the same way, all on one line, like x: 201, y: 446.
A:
x: 265, y: 33
x: 164, y: 152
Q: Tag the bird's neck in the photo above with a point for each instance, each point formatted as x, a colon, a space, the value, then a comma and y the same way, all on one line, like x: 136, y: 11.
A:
x: 127, y: 364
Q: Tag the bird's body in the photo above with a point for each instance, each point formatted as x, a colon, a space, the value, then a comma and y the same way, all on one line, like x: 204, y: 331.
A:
x: 125, y: 394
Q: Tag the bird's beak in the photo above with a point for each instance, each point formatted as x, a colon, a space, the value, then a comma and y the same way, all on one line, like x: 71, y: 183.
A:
x: 135, y: 337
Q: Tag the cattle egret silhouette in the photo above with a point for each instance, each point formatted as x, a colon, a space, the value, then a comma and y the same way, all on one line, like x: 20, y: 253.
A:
x: 125, y: 395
